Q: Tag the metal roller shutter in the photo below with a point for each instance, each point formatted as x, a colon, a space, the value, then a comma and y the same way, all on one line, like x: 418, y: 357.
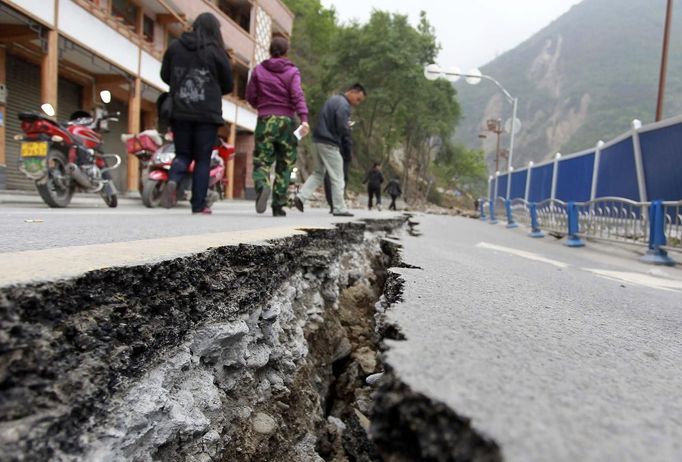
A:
x: 23, y: 94
x: 23, y: 85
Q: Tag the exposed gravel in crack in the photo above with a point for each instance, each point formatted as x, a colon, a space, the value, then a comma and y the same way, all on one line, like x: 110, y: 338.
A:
x: 268, y: 353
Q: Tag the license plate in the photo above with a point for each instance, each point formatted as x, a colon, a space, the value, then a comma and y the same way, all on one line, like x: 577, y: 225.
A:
x: 34, y: 149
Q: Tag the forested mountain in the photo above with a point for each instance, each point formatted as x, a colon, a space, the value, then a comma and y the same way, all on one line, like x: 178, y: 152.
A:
x: 583, y: 78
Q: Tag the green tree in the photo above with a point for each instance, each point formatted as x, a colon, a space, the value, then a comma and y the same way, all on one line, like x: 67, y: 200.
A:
x: 406, y: 118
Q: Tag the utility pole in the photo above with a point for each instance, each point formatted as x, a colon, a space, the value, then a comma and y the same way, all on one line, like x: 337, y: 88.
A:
x: 664, y: 61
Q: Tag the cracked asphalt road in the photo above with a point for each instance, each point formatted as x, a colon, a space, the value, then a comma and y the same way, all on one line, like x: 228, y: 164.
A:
x: 557, y: 354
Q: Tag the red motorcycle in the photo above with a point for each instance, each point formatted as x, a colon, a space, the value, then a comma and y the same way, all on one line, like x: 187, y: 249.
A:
x: 159, y: 167
x: 143, y: 146
x: 64, y: 157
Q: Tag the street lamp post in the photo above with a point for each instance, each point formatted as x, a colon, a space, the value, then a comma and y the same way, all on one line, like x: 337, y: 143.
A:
x: 474, y: 77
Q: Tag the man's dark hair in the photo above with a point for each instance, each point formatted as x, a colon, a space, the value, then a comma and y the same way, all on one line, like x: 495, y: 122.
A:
x: 279, y: 46
x: 357, y: 86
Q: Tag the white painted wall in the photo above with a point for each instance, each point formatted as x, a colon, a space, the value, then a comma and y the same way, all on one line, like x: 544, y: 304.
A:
x: 150, y: 69
x: 245, y: 118
x: 78, y: 24
x: 41, y: 9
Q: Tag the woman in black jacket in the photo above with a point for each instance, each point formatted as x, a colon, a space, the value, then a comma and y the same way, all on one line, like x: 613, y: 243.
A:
x: 198, y: 71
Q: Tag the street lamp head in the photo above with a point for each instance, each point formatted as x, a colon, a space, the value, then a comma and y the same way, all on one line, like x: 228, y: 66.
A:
x: 600, y: 144
x: 531, y: 163
x: 433, y: 72
x: 473, y: 77
x: 453, y: 74
x: 636, y: 124
x: 557, y: 155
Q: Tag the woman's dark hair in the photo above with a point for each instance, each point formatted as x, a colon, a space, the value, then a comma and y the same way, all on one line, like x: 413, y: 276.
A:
x: 207, y: 29
x: 278, y: 46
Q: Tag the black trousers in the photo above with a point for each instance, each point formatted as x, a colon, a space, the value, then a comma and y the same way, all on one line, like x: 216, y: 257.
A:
x: 374, y: 191
x: 392, y: 206
x: 194, y: 141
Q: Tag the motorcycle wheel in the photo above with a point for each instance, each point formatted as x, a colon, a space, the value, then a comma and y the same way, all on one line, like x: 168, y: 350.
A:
x: 110, y: 199
x: 57, y: 190
x: 151, y: 192
x: 108, y: 193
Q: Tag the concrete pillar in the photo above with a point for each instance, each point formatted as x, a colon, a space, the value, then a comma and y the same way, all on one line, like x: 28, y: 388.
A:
x: 3, y: 117
x: 49, y: 69
x: 134, y: 110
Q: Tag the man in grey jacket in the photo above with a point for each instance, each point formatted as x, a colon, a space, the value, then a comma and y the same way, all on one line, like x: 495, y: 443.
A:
x: 333, y: 125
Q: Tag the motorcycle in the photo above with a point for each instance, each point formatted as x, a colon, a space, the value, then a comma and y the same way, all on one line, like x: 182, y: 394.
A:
x: 143, y: 146
x: 159, y: 167
x: 62, y: 158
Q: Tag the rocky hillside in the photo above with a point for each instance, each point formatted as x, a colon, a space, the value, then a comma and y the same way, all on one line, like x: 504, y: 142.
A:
x: 584, y: 77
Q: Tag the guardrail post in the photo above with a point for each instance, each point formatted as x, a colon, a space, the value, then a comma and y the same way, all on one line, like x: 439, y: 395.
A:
x: 656, y: 255
x: 492, y: 219
x: 573, y: 226
x: 510, y: 216
x: 535, y: 230
x: 481, y: 206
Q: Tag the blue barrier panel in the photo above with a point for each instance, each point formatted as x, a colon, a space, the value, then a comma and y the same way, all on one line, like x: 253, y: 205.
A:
x: 574, y: 179
x: 492, y: 189
x: 617, y: 171
x: 661, y: 156
x: 541, y: 183
x: 518, y: 184
x: 502, y: 186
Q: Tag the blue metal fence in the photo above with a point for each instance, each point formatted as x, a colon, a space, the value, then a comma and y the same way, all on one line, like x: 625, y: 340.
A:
x: 629, y: 189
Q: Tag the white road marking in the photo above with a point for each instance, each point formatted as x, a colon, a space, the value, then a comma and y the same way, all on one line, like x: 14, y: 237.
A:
x: 639, y: 279
x: 522, y: 254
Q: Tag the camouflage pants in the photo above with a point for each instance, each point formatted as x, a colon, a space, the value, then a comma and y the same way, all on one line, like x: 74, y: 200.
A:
x: 275, y: 143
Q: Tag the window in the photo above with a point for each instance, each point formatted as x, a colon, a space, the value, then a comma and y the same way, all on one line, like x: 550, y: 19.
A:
x: 126, y: 10
x: 148, y: 29
x: 238, y: 10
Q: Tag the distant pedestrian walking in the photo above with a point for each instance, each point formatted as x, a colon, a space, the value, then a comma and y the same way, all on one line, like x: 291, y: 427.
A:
x: 374, y: 178
x: 393, y: 189
x: 197, y: 69
x: 275, y: 90
x: 333, y: 125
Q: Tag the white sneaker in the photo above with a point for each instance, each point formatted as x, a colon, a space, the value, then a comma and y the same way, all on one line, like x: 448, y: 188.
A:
x: 379, y: 207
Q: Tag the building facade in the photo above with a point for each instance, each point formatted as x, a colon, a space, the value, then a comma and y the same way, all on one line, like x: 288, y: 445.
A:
x: 64, y: 52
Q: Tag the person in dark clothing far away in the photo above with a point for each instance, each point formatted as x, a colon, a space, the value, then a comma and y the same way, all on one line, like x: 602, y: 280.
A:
x: 347, y: 155
x: 374, y: 178
x: 393, y: 189
x: 275, y: 90
x: 198, y: 71
x: 333, y: 124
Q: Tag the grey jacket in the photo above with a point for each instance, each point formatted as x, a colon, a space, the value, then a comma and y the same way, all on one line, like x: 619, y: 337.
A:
x: 333, y: 123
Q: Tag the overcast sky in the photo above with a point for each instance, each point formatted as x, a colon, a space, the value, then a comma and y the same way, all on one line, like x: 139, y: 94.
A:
x: 471, y: 32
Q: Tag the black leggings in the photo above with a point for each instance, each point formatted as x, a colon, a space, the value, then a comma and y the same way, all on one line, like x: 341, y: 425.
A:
x: 374, y: 191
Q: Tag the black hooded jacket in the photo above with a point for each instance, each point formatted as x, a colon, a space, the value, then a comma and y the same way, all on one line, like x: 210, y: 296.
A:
x: 198, y: 78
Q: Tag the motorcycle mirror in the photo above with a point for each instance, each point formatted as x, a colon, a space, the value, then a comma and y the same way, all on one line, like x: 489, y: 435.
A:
x: 105, y: 95
x: 48, y: 109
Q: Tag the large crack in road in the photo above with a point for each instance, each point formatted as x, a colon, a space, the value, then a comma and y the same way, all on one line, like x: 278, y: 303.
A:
x: 268, y: 353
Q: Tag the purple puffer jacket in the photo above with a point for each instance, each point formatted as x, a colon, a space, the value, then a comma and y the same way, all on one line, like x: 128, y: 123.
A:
x: 275, y: 89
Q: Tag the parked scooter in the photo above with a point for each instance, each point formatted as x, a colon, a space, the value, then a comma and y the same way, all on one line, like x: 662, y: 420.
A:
x: 64, y: 157
x: 159, y: 168
x: 143, y: 146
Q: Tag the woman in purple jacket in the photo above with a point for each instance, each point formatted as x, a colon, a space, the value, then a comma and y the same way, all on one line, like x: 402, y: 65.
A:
x: 275, y: 90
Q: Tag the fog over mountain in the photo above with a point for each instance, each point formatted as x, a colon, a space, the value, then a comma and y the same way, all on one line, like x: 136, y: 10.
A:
x: 583, y: 78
